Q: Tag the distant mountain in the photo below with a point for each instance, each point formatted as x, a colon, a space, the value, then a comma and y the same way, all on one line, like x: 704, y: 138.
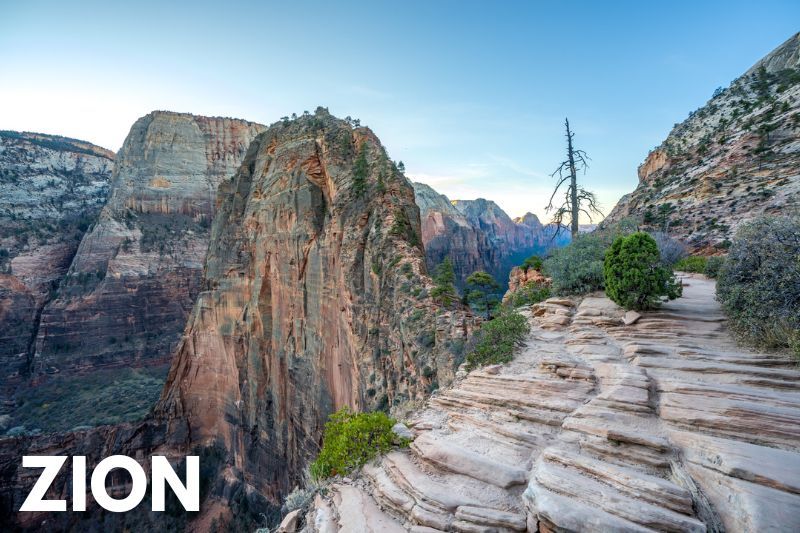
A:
x: 51, y: 190
x: 479, y: 235
x: 733, y: 159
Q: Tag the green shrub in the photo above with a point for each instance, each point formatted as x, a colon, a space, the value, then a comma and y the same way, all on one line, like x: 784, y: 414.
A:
x: 759, y: 283
x: 634, y: 276
x: 578, y: 267
x: 693, y: 263
x: 496, y: 340
x: 529, y: 293
x: 713, y: 266
x: 533, y: 262
x: 350, y: 440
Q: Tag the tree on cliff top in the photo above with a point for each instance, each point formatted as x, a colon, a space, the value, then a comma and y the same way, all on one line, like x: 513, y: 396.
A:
x: 575, y: 197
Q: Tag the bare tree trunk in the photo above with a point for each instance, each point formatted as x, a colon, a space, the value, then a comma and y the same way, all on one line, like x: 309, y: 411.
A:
x: 567, y: 172
x: 574, y: 182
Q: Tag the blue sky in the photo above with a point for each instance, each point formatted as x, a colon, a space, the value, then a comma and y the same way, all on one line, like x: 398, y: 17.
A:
x: 470, y: 95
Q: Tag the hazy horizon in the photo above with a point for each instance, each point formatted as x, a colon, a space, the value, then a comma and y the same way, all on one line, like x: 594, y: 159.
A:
x: 471, y: 97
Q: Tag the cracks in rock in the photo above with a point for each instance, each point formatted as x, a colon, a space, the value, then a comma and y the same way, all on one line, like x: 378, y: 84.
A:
x: 703, y: 508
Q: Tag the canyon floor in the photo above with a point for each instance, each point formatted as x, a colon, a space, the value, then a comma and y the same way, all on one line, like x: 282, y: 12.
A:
x: 662, y: 425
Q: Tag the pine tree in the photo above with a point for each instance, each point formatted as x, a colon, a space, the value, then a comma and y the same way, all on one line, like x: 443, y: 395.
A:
x: 482, y: 292
x: 444, y: 290
x: 634, y: 276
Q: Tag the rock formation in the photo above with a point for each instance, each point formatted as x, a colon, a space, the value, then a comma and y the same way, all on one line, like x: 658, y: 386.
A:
x: 52, y: 189
x: 478, y: 235
x: 519, y: 278
x: 663, y: 425
x: 733, y: 159
x: 130, y: 287
x: 314, y: 298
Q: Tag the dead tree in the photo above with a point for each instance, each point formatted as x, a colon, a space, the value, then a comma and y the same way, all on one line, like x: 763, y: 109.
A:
x: 575, y: 197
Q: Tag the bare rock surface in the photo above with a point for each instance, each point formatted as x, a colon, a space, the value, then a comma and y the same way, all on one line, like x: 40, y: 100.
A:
x: 659, y: 425
x: 51, y: 190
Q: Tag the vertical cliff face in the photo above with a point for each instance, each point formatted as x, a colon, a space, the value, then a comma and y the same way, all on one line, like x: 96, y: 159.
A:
x: 51, y: 190
x: 479, y: 235
x: 315, y: 298
x: 130, y: 287
x: 733, y: 159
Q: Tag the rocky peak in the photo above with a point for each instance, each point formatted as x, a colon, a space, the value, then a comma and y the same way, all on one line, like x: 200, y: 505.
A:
x: 530, y: 220
x: 483, y: 212
x: 786, y: 56
x: 427, y: 199
x: 315, y: 298
x: 173, y: 162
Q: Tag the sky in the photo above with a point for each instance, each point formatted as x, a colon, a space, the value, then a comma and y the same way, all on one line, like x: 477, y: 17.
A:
x: 471, y: 96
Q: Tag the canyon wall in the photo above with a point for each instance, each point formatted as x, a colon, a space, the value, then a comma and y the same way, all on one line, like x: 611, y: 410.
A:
x: 51, y: 190
x: 135, y: 276
x: 733, y: 159
x: 478, y: 235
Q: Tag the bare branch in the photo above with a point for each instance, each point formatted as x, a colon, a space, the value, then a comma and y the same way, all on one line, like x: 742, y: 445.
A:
x: 560, y: 182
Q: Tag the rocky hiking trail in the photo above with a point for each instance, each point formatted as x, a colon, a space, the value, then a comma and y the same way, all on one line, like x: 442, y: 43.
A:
x: 663, y: 425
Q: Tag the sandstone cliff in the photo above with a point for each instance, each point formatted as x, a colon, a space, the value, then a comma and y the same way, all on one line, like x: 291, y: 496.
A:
x: 52, y: 189
x: 664, y: 425
x: 130, y: 287
x: 478, y: 235
x: 733, y: 159
x: 315, y: 298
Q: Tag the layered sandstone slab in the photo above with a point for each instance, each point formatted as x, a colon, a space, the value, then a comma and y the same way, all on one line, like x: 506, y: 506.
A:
x: 52, y: 189
x: 662, y: 425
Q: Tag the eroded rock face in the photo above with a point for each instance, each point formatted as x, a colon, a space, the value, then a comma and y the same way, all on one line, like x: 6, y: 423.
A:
x: 660, y: 425
x: 735, y: 158
x: 478, y: 235
x: 130, y: 287
x: 51, y: 190
x: 519, y: 278
x: 313, y: 300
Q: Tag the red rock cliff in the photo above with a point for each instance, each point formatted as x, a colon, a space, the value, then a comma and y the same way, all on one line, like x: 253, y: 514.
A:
x: 315, y: 298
